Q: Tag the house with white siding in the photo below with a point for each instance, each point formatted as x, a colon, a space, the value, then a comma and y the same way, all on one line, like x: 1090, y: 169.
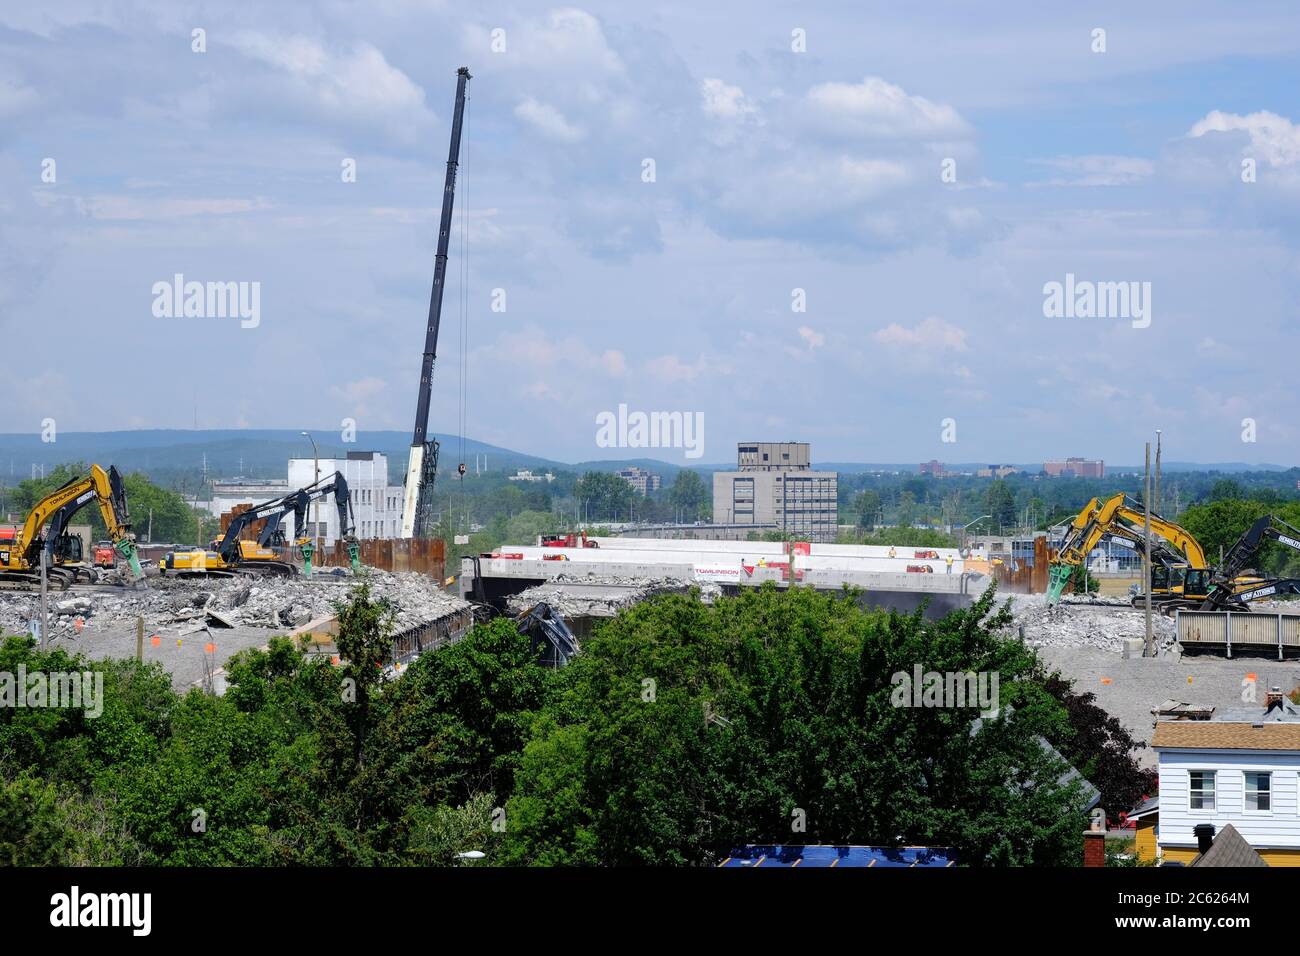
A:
x: 1240, y: 768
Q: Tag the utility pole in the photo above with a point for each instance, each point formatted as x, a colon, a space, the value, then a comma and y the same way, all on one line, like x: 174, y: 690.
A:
x: 1149, y: 650
x: 45, y: 616
x: 1157, y: 502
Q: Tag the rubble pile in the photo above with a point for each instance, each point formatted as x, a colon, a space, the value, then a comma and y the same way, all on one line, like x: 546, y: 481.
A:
x: 591, y: 595
x: 190, y: 605
x: 1102, y: 623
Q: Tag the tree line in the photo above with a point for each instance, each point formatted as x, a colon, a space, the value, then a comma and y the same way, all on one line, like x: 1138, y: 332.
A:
x: 681, y: 731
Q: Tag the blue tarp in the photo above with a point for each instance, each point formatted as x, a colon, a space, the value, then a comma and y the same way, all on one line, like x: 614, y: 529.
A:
x: 837, y: 856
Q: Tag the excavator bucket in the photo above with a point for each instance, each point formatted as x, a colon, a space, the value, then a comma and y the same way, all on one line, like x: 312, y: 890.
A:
x: 126, y: 548
x: 1057, y: 578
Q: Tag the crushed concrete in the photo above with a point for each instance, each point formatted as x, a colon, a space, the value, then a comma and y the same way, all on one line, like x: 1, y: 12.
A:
x: 1101, y: 623
x: 189, y: 605
x: 601, y: 595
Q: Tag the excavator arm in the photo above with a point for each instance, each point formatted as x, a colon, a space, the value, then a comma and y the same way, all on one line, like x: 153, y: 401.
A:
x: 1118, y: 517
x: 57, y: 508
x: 297, y: 504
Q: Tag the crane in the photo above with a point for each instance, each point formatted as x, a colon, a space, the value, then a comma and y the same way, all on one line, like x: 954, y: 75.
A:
x: 229, y: 555
x: 20, y: 555
x: 422, y: 466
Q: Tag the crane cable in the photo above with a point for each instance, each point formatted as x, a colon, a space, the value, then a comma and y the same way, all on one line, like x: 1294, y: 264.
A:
x: 462, y: 416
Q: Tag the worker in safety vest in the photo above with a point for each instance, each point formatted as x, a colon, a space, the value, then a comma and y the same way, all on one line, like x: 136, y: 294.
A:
x: 950, y: 564
x: 892, y: 552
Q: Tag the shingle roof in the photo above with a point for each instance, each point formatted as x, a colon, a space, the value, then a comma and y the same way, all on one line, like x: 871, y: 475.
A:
x: 1223, y: 735
x: 1229, y: 849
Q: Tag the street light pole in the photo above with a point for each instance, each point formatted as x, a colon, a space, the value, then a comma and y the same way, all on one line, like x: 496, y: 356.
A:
x: 315, y: 505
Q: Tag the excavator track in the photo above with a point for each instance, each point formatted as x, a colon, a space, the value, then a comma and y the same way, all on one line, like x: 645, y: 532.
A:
x: 31, y: 580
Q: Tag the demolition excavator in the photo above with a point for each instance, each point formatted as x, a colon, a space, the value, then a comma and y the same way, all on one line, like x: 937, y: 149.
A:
x: 1237, y: 581
x: 1179, y: 581
x: 230, y: 554
x: 45, y: 529
x: 1178, y: 565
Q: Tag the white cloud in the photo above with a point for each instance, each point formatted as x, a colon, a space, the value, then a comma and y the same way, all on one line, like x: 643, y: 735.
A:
x: 1098, y: 170
x: 811, y: 337
x: 932, y: 333
x: 723, y: 101
x: 548, y: 121
x: 876, y: 108
x: 669, y: 368
x: 356, y: 84
x: 135, y: 208
x: 1274, y: 137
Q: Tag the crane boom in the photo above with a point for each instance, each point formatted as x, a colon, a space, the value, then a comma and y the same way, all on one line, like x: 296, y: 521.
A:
x: 422, y: 466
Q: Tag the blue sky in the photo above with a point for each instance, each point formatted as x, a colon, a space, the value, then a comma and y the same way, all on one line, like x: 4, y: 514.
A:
x: 776, y: 170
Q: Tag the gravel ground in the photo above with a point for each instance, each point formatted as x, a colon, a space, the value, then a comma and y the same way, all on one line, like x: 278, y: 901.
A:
x: 185, y: 663
x: 1139, y: 684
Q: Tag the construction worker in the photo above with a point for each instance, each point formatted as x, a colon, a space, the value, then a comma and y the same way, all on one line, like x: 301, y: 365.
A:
x: 892, y: 552
x: 949, y: 563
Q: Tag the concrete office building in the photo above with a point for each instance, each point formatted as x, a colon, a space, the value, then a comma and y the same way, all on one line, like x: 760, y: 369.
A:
x: 774, y: 485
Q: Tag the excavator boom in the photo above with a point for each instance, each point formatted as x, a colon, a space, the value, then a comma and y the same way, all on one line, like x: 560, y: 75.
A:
x: 20, y: 561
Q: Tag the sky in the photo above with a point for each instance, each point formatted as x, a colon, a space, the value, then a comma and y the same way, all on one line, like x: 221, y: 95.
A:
x: 837, y: 223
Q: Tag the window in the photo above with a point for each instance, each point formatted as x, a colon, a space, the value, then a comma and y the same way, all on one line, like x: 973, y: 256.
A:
x: 1258, y: 790
x: 1202, y: 790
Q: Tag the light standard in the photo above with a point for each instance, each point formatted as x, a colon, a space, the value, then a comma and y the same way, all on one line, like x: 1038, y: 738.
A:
x: 968, y: 524
x: 315, y: 507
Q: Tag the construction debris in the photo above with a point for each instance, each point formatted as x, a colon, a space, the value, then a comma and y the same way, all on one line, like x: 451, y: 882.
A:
x: 1098, y: 622
x: 187, y: 605
x: 590, y: 595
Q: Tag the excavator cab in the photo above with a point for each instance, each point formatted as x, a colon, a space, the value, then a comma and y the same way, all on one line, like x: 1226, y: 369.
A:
x: 1196, y: 583
x: 68, y: 549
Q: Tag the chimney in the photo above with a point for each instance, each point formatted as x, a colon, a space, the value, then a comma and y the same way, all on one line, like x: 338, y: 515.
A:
x: 1204, y: 836
x: 1094, y: 848
x: 1273, y: 699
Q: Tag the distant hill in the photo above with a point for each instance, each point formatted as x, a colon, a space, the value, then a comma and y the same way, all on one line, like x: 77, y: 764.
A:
x: 232, y: 452
x: 263, y: 453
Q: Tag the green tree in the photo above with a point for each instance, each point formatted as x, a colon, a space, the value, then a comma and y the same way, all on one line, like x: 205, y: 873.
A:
x: 603, y: 496
x: 866, y: 505
x: 685, y: 729
x: 1000, y: 502
x: 689, y: 495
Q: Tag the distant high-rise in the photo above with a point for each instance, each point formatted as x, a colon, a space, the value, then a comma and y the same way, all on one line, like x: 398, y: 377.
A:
x: 774, y: 484
x: 1075, y: 468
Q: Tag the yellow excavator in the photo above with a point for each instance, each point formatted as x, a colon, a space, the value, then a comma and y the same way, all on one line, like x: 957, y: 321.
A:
x: 1179, y: 573
x: 20, y: 553
x: 229, y: 555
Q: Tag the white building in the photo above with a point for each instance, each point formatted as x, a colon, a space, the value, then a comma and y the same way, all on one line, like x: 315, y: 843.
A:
x: 1241, y: 769
x: 376, y: 505
x: 245, y: 491
x: 523, y: 474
